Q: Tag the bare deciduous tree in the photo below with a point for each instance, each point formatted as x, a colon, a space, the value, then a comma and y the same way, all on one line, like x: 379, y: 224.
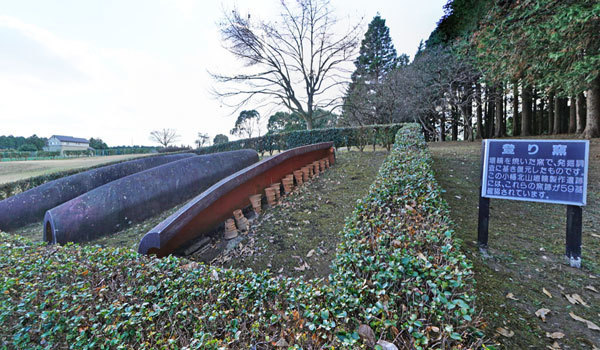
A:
x: 202, y: 140
x: 164, y: 137
x: 296, y: 61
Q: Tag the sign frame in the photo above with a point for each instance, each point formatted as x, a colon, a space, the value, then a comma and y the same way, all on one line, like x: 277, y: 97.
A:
x: 574, y: 209
x: 485, y: 158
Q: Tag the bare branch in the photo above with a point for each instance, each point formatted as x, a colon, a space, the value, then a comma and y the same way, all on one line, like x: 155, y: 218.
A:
x: 295, y: 61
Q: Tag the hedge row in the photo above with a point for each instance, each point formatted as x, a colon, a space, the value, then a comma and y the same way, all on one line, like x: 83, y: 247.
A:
x: 124, y: 150
x: 13, y: 155
x: 397, y: 270
x: 349, y: 137
x: 38, y: 155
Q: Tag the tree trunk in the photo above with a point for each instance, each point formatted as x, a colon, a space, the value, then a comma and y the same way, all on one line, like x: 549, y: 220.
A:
x: 572, y: 116
x: 515, y: 106
x: 564, y: 115
x: 309, y: 124
x: 534, y: 115
x: 499, y: 113
x: 557, y: 113
x: 454, y: 116
x: 443, y: 125
x: 470, y: 119
x: 526, y: 120
x: 592, y: 127
x: 580, y: 102
x: 465, y: 112
x: 550, y: 113
x: 504, y: 113
x: 479, y: 112
x: 489, y: 117
x: 541, y: 117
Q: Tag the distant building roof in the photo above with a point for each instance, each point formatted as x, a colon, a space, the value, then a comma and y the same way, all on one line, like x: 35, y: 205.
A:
x: 70, y: 139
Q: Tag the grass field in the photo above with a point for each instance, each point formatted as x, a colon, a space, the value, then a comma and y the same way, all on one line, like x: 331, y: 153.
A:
x: 526, y: 271
x: 19, y: 170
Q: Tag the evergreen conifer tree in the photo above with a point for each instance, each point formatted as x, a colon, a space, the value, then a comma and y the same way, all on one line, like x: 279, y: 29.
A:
x: 377, y: 57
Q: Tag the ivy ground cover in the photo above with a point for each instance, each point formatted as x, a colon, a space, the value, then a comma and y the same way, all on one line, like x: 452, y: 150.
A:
x: 397, y: 271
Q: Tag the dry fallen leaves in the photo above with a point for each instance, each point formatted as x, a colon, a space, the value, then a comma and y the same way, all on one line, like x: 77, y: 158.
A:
x: 592, y: 289
x: 589, y: 324
x: 505, y: 332
x: 554, y: 346
x: 541, y: 313
x: 310, y: 253
x: 302, y: 267
x: 555, y: 335
x: 511, y: 296
x: 575, y: 299
x: 545, y: 291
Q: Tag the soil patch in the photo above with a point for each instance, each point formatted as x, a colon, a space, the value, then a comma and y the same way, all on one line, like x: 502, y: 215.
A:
x: 299, y: 237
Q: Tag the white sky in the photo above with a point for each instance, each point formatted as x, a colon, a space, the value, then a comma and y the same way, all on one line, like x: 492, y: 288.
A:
x: 118, y: 69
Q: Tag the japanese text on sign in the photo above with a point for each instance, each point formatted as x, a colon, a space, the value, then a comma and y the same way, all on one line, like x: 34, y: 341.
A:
x: 552, y: 171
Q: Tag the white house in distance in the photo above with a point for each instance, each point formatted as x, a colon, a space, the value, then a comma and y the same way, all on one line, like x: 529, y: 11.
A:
x: 58, y: 143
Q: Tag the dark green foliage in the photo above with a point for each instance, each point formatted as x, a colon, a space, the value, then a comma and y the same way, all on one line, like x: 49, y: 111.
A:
x: 461, y: 19
x: 220, y: 138
x: 285, y: 122
x: 97, y: 143
x: 13, y: 143
x: 366, y: 99
x: 547, y: 43
x: 27, y: 147
x: 377, y: 55
x: 78, y: 153
x: 125, y: 150
x: 174, y: 149
x: 397, y: 269
x: 246, y: 124
x: 17, y: 155
x: 341, y: 137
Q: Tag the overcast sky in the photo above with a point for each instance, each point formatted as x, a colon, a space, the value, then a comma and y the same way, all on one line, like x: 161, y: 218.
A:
x: 118, y: 69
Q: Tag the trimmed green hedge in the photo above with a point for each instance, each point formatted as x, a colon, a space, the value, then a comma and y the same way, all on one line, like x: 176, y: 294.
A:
x: 398, y: 270
x: 16, y: 155
x: 360, y: 137
x: 124, y: 150
x: 78, y: 153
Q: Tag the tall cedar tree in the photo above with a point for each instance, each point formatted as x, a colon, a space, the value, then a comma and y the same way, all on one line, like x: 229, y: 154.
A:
x: 377, y: 57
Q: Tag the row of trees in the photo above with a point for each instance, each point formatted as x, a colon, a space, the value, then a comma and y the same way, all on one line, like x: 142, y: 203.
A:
x: 492, y: 69
x: 26, y: 144
x: 489, y: 69
x: 34, y: 143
